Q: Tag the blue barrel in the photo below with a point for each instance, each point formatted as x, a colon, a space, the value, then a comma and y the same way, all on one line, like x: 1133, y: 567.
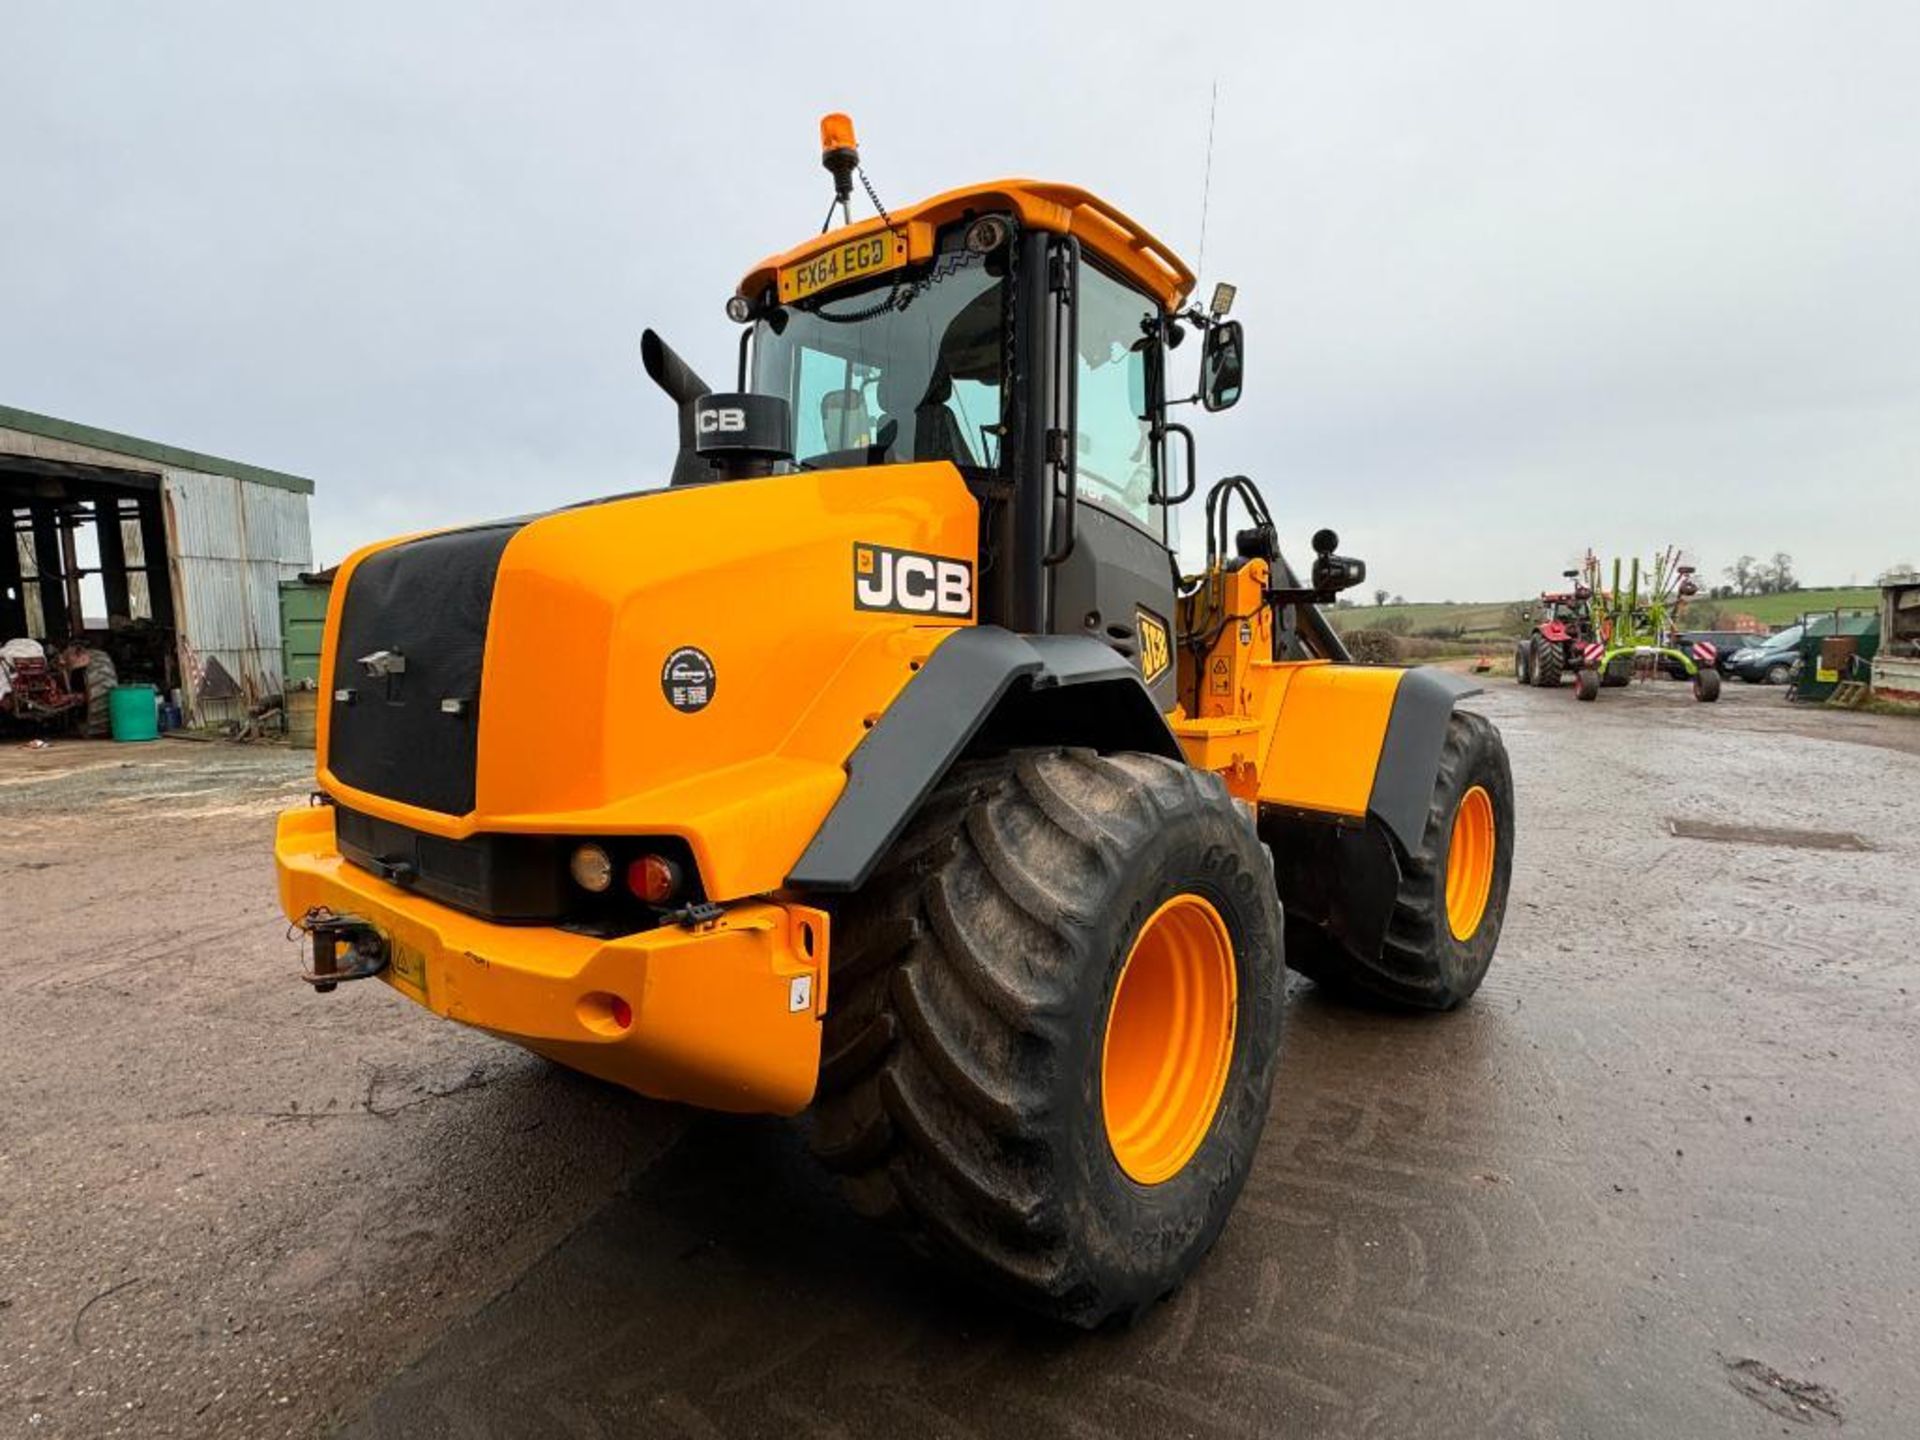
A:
x: 132, y: 711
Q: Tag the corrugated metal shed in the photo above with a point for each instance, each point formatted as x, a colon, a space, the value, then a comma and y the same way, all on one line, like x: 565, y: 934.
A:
x: 234, y: 531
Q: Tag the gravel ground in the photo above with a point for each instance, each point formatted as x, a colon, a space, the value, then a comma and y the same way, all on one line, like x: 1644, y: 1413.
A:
x: 1657, y: 1179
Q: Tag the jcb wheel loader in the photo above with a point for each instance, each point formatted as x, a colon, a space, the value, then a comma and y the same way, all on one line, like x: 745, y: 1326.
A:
x: 884, y: 764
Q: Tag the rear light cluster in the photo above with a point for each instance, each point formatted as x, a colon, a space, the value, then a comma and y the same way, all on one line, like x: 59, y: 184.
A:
x: 650, y: 877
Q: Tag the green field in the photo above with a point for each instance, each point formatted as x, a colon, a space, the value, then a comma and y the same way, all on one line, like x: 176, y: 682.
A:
x: 1488, y: 620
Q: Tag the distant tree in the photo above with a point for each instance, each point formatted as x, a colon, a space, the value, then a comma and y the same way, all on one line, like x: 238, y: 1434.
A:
x: 1744, y: 573
x: 1379, y: 597
x: 1778, y: 575
x: 1399, y: 599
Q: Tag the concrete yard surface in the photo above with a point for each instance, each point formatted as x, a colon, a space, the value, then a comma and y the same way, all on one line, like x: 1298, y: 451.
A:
x: 1658, y: 1178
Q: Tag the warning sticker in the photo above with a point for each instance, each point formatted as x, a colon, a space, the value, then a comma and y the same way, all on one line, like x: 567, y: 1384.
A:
x: 408, y: 964
x: 688, y: 679
x: 1220, y: 677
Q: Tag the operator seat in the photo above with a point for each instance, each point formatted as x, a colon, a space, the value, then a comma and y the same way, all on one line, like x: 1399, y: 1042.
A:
x: 936, y: 432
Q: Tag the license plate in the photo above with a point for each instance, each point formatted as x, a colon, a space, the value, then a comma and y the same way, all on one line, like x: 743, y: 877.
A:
x: 842, y: 265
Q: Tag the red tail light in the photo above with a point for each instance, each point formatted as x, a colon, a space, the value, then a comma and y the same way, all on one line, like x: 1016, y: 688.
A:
x: 654, y: 879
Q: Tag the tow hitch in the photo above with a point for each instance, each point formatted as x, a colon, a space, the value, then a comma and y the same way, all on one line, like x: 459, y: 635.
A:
x: 340, y: 938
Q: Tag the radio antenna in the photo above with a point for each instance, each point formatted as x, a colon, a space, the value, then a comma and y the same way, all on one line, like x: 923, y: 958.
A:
x: 1206, y: 186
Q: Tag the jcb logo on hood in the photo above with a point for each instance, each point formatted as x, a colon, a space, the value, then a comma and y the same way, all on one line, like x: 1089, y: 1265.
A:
x: 910, y: 583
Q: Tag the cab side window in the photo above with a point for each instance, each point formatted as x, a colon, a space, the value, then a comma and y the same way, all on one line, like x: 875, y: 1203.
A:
x: 1114, y: 455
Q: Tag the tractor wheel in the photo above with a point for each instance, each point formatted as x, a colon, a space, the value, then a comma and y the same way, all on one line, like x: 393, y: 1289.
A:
x: 1453, y: 893
x: 1055, y: 1013
x: 101, y: 678
x: 1586, y: 685
x: 1523, y: 663
x: 1706, y: 684
x: 1548, y: 665
x: 1619, y: 673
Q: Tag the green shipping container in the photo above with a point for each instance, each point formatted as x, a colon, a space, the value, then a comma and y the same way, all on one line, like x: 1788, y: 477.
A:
x: 303, y: 621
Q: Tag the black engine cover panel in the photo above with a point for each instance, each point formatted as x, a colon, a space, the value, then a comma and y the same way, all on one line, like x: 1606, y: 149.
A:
x: 412, y: 734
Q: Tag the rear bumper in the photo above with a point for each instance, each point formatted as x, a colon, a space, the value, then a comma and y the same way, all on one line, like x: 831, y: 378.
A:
x: 726, y: 1016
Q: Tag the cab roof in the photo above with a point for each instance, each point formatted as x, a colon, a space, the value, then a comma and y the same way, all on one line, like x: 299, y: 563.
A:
x: 1121, y: 242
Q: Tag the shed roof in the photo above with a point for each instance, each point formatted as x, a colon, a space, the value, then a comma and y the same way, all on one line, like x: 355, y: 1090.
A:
x: 149, y: 450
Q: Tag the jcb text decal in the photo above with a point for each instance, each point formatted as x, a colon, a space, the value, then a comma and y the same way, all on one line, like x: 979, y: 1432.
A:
x: 911, y: 583
x: 1155, y: 651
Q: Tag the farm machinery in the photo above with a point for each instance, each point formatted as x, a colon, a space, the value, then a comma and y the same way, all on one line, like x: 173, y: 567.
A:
x: 1636, y: 626
x: 64, y: 690
x: 1563, y: 628
x: 904, y: 780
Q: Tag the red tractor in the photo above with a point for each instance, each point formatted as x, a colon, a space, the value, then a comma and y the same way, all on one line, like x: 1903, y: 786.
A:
x: 1562, y: 636
x: 61, y: 690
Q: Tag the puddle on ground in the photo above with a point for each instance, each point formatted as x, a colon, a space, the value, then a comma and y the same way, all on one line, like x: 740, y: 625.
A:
x: 1791, y: 839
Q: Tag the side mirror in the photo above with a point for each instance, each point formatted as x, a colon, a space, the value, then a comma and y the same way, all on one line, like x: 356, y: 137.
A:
x: 1222, y: 363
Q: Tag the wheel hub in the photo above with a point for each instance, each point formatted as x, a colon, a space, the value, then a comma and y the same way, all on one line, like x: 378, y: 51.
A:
x: 1169, y: 1039
x: 1470, y: 863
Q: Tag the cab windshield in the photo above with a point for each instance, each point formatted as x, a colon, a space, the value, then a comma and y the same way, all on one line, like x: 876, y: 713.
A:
x: 910, y: 368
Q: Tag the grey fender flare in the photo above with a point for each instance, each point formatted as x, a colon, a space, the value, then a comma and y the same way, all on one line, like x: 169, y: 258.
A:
x: 1410, y: 752
x: 984, y: 688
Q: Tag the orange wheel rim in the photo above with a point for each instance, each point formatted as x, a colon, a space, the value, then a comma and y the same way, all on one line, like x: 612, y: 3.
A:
x: 1470, y: 863
x: 1169, y: 1039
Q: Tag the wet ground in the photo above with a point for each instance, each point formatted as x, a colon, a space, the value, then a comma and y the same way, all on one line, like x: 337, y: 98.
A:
x: 1659, y: 1178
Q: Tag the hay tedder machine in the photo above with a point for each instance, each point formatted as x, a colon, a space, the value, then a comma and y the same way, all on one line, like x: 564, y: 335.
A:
x: 1636, y: 628
x: 901, y: 777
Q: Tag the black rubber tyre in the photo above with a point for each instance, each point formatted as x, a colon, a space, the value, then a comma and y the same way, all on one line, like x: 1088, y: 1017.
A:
x: 1548, y: 664
x: 1779, y: 674
x: 1706, y: 685
x: 1586, y: 685
x: 960, y: 1092
x: 1423, y: 965
x: 1523, y: 663
x: 1619, y: 673
x: 101, y: 678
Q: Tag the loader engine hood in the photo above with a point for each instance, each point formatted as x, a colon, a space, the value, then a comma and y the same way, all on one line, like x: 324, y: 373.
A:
x: 697, y: 662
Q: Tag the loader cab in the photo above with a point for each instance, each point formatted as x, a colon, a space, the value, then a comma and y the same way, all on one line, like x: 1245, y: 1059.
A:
x: 1019, y: 332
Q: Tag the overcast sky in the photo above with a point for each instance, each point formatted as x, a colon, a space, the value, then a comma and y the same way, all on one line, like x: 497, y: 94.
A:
x: 1517, y: 277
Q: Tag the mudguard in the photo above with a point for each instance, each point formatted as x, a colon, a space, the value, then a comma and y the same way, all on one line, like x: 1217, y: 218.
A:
x: 985, y: 685
x: 1345, y: 876
x: 1410, y: 754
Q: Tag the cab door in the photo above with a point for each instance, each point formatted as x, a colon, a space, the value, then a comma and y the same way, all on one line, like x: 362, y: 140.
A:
x: 1115, y: 579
